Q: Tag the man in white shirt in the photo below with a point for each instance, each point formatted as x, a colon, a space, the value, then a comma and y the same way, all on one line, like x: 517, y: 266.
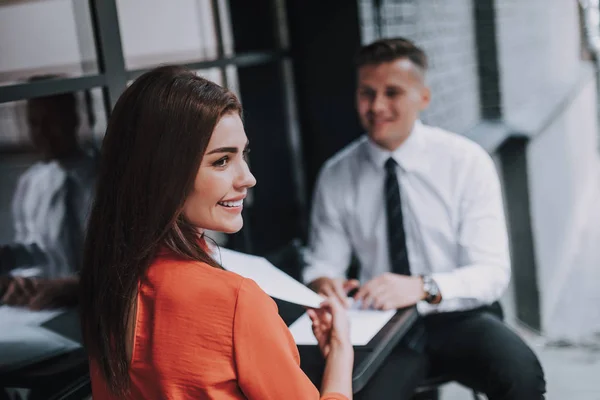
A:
x: 50, y: 208
x: 421, y: 210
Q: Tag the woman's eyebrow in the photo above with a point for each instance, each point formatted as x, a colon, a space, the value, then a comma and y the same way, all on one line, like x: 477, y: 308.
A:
x: 228, y: 149
x: 224, y: 150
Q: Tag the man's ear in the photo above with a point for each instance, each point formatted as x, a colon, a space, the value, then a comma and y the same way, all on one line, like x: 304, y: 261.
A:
x: 425, y: 97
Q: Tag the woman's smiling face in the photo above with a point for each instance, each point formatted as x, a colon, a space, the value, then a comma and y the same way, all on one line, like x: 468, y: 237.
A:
x: 223, y: 179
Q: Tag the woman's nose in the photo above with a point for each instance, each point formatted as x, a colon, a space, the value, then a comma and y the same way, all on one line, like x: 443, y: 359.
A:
x: 246, y: 179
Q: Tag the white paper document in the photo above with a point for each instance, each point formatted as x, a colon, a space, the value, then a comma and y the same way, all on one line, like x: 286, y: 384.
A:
x: 269, y: 278
x: 364, y: 325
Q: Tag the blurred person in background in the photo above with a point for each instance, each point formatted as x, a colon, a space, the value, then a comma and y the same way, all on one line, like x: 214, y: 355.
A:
x: 421, y: 208
x: 50, y: 208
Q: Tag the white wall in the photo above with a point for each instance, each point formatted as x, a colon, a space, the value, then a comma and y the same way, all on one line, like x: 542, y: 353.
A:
x: 542, y: 74
x: 564, y: 173
x: 538, y: 53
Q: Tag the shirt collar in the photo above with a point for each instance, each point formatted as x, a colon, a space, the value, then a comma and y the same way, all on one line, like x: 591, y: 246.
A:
x: 408, y: 155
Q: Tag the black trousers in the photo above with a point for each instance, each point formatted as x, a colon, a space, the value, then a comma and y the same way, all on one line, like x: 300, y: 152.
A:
x: 474, y: 348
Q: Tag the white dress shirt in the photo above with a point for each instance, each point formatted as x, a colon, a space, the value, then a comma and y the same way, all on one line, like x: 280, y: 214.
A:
x: 452, y: 210
x: 39, y: 210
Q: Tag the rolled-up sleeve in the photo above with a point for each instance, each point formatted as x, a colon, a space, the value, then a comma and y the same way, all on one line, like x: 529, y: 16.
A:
x: 483, y: 271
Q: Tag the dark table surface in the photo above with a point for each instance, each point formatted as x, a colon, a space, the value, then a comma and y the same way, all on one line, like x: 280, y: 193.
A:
x: 63, y: 369
x: 49, y: 376
x: 367, y: 359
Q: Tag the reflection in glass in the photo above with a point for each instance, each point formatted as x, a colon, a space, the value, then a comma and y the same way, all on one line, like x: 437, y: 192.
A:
x: 49, y: 158
x: 45, y: 37
x: 14, y: 130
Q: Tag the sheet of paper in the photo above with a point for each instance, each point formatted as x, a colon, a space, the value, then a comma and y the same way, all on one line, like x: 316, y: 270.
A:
x: 272, y: 280
x: 364, y: 325
x: 16, y: 316
x: 21, y: 345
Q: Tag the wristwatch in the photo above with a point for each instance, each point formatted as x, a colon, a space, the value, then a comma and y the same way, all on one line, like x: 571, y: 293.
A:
x: 430, y: 288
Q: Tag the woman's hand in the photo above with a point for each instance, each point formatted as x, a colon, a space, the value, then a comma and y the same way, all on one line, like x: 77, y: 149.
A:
x: 331, y: 287
x: 330, y: 325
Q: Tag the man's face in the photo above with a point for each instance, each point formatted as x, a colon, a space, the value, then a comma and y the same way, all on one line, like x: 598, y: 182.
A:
x: 389, y: 98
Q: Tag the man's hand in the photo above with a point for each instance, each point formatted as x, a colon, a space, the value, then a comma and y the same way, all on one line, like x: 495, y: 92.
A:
x: 391, y: 291
x: 40, y: 294
x: 339, y: 288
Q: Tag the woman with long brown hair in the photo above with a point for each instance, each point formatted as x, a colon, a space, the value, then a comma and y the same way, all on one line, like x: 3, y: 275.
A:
x: 161, y: 319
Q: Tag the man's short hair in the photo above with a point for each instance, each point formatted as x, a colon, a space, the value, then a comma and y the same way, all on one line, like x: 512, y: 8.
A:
x: 390, y: 49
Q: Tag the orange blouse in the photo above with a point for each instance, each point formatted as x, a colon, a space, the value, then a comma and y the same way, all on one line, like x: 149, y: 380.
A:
x: 206, y: 333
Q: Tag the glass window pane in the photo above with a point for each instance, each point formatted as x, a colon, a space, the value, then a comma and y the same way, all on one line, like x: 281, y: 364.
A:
x: 233, y: 83
x: 45, y: 37
x: 226, y: 28
x: 212, y: 74
x: 155, y: 32
x: 230, y: 80
x: 15, y: 132
x: 48, y: 152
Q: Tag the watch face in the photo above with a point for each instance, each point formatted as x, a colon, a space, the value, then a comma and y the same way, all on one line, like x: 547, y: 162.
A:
x: 433, y: 289
x: 430, y: 288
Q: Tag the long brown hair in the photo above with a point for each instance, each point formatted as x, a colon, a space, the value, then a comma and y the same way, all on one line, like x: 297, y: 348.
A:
x: 156, y: 137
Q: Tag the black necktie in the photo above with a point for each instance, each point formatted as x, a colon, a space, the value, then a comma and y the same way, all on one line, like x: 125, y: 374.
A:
x: 395, y: 223
x: 415, y: 338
